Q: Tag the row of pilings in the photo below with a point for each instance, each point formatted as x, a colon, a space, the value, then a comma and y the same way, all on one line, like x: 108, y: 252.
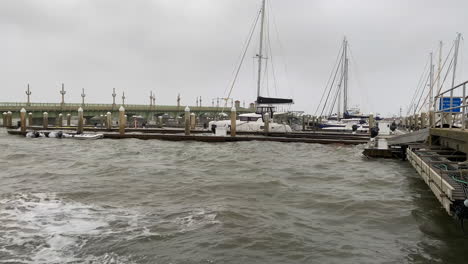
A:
x: 428, y: 120
x: 27, y: 118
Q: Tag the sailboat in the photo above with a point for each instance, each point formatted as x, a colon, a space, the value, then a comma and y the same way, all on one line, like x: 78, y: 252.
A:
x: 346, y: 118
x: 264, y: 105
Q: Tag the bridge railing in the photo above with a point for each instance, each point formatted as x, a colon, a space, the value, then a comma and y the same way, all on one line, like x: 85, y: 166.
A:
x: 70, y: 107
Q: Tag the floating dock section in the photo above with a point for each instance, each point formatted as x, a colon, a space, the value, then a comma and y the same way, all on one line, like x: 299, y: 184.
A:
x: 439, y: 157
x: 442, y: 172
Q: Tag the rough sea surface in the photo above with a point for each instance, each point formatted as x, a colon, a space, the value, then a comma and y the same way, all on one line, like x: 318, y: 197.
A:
x: 134, y: 201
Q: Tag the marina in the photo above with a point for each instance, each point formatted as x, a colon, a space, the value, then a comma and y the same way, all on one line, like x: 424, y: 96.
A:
x: 264, y: 131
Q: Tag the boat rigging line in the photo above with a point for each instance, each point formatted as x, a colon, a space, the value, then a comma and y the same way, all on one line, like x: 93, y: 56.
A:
x: 337, y: 62
x: 246, y: 47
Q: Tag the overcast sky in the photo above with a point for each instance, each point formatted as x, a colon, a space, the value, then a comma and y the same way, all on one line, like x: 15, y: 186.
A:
x: 191, y: 47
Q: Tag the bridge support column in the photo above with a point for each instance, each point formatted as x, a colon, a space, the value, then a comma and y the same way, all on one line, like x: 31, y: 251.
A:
x: 45, y: 120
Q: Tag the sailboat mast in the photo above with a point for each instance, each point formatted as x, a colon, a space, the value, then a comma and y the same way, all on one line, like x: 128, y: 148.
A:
x: 455, y: 57
x: 345, y: 73
x: 260, y: 52
x: 431, y: 84
x: 439, y: 72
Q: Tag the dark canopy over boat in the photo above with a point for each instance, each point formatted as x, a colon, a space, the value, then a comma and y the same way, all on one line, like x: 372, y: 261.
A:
x: 270, y: 100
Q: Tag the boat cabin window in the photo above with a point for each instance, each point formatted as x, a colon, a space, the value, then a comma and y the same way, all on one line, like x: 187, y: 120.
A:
x: 249, y: 118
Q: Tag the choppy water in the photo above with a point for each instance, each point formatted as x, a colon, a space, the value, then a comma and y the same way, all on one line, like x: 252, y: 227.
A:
x: 132, y: 201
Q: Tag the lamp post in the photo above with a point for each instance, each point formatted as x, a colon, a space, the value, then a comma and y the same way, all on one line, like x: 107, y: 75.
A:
x: 63, y: 92
x: 28, y: 93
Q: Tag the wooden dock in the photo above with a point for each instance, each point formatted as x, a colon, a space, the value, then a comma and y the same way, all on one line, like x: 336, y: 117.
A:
x: 207, y: 136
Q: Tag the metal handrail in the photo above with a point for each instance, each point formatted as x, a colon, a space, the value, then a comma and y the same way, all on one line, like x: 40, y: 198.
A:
x: 451, y: 89
x: 462, y: 105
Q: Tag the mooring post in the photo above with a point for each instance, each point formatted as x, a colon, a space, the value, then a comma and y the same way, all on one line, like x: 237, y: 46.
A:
x: 187, y: 121
x: 193, y: 120
x: 4, y: 115
x: 60, y: 120
x: 80, y: 127
x: 68, y: 120
x: 122, y: 120
x: 109, y: 120
x: 303, y: 123
x: 233, y: 121
x: 23, y: 120
x: 417, y: 121
x: 371, y: 122
x: 160, y: 121
x: 431, y: 119
x: 9, y: 119
x: 266, y: 119
x: 423, y: 120
x: 45, y: 121
x: 30, y: 119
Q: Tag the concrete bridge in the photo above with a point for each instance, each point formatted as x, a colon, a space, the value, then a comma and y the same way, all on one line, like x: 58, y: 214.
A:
x: 93, y: 110
x: 147, y: 112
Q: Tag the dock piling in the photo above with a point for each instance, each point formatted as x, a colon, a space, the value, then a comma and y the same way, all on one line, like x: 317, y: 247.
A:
x: 109, y: 120
x: 371, y: 122
x: 160, y: 121
x: 23, y: 119
x: 30, y: 119
x: 9, y: 119
x: 266, y: 120
x: 80, y: 121
x: 68, y: 120
x: 45, y: 120
x: 4, y: 115
x: 233, y: 121
x: 122, y: 120
x: 60, y: 120
x: 431, y: 119
x: 423, y: 120
x: 187, y: 121
x: 192, y: 121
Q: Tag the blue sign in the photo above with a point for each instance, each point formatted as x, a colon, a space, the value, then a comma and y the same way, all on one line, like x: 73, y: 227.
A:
x: 445, y: 104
